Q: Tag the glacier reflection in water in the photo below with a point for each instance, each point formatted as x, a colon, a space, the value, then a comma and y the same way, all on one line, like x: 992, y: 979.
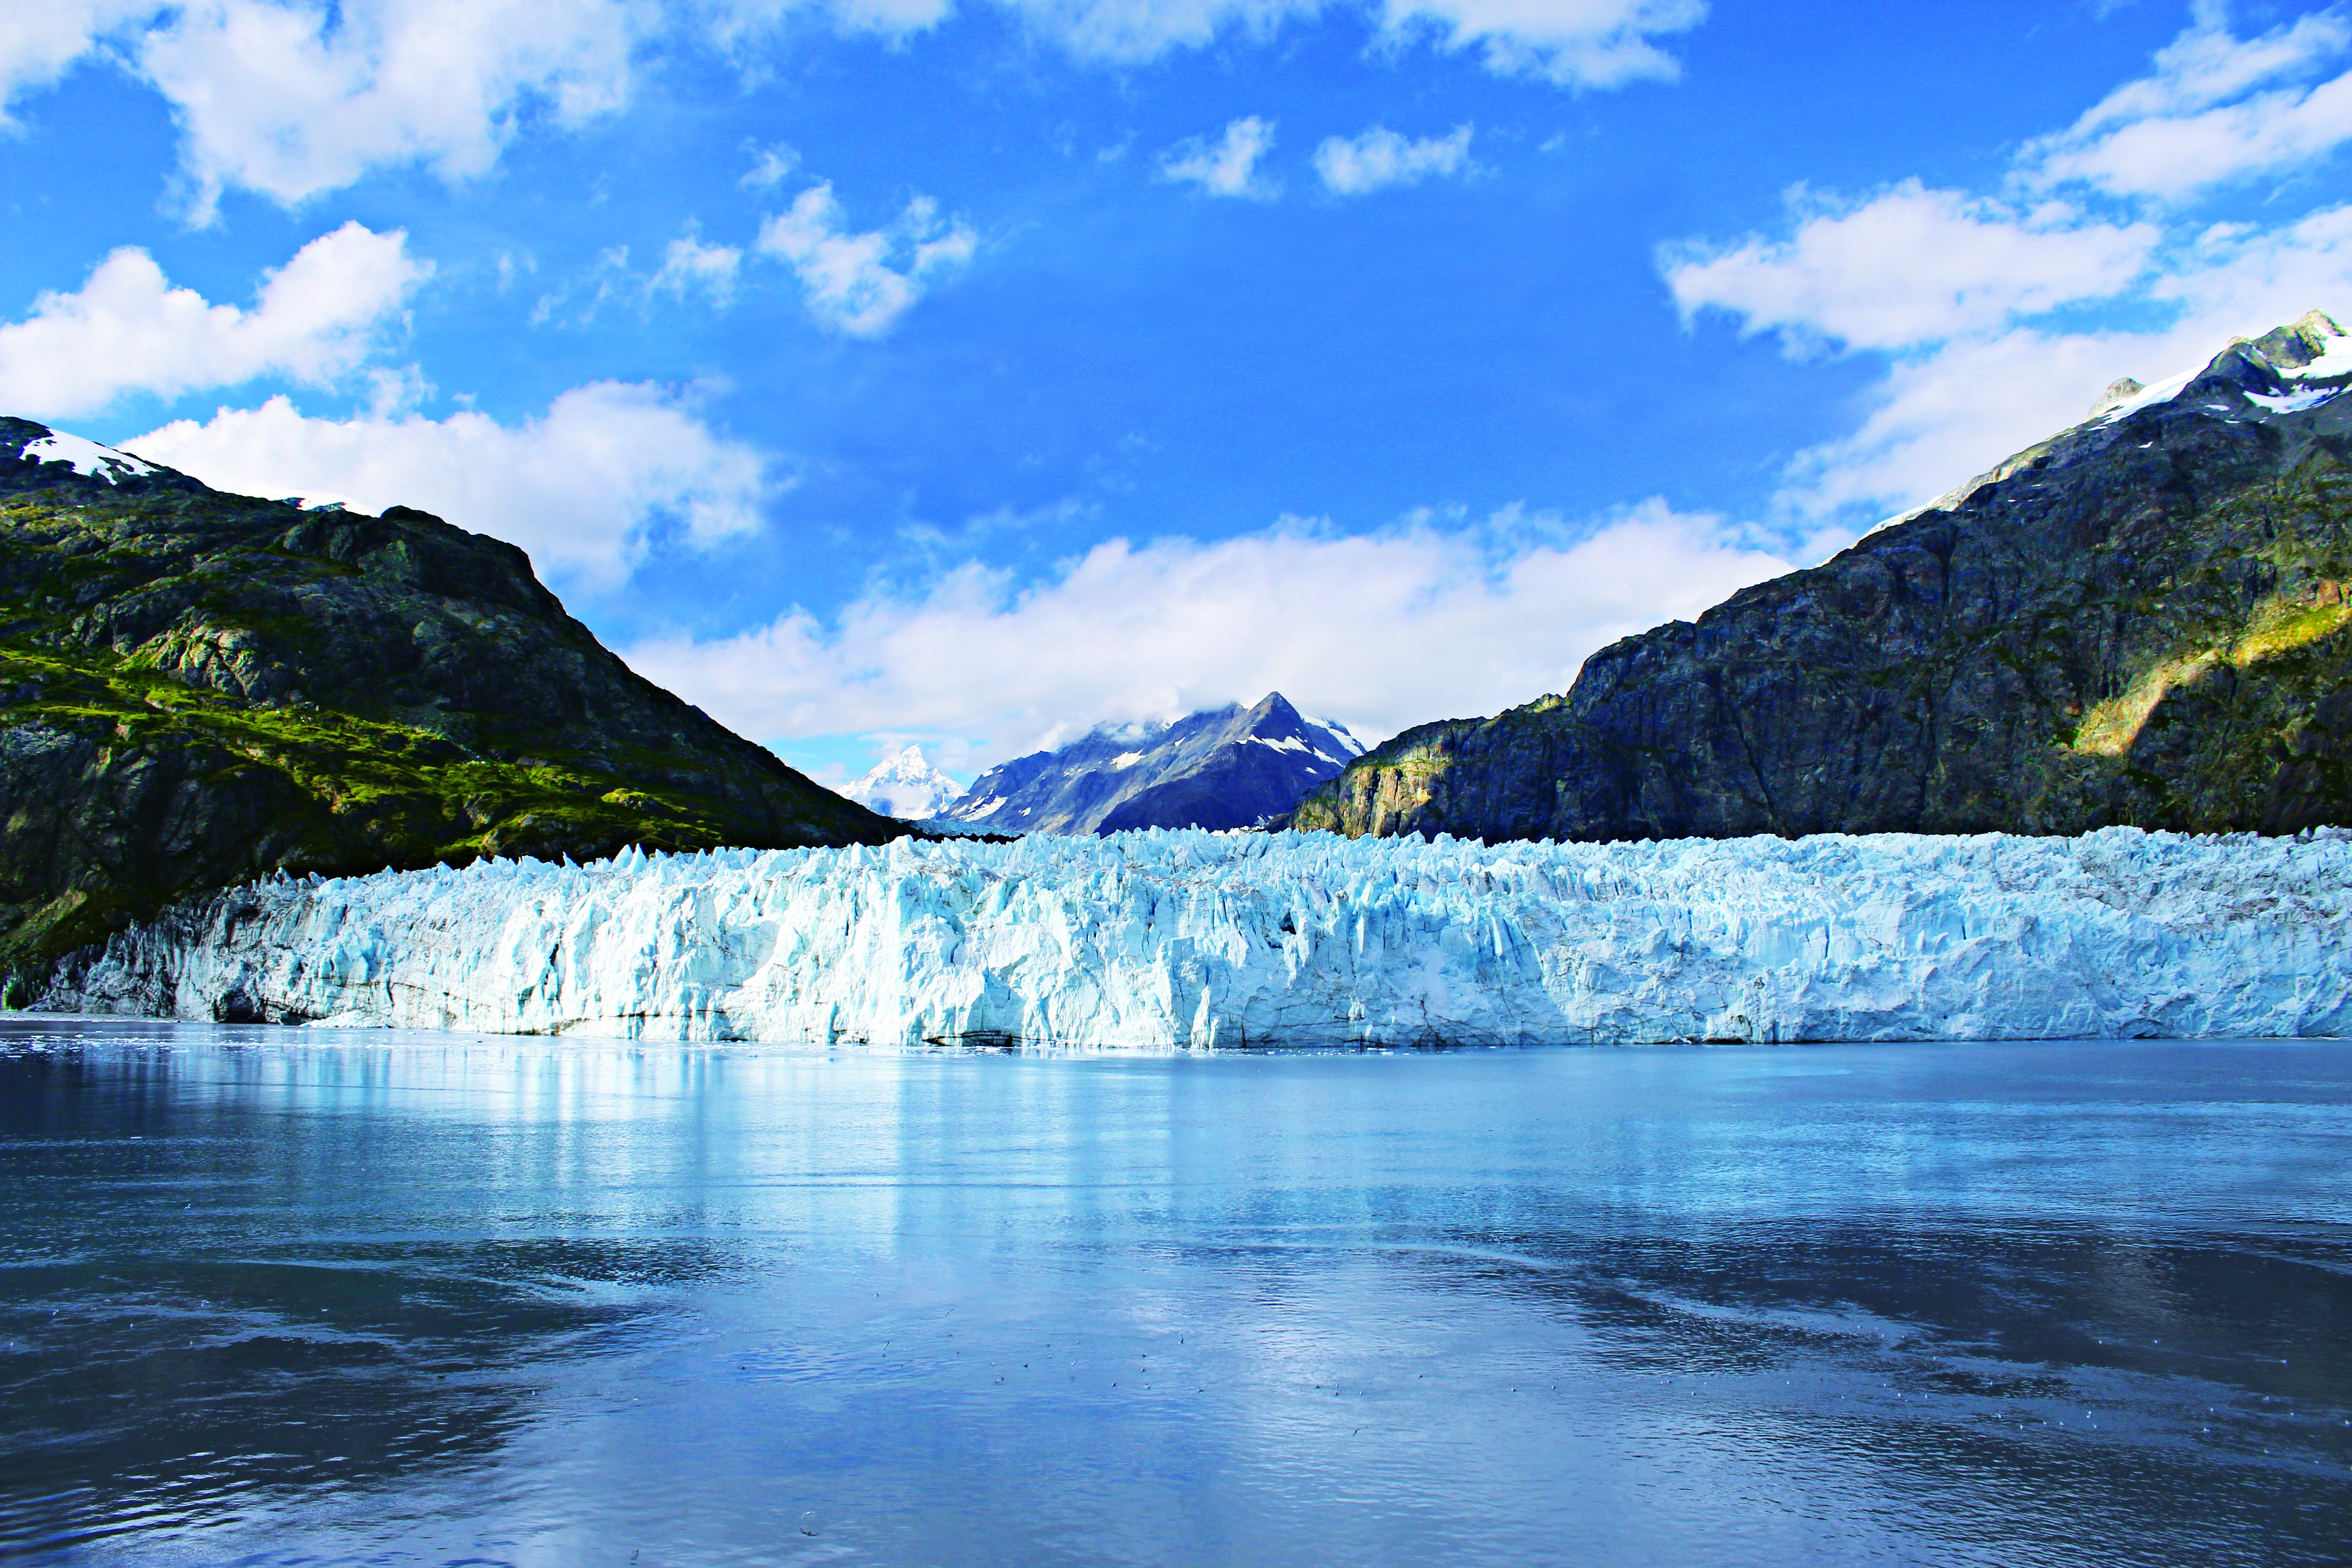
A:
x: 280, y: 1297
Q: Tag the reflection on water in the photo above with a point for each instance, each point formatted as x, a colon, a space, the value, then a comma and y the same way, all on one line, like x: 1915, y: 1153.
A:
x: 280, y: 1297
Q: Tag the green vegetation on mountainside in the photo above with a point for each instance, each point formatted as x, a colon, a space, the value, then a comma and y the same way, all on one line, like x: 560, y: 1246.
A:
x: 196, y: 688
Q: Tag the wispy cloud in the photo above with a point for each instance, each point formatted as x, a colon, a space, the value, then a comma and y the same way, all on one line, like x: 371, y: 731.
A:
x: 1351, y: 167
x: 690, y: 265
x: 1227, y: 166
x: 2215, y: 109
x: 1908, y: 266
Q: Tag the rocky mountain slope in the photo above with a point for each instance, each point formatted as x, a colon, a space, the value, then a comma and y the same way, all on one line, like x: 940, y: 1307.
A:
x: 198, y: 689
x: 1231, y: 767
x: 905, y: 785
x: 2141, y: 621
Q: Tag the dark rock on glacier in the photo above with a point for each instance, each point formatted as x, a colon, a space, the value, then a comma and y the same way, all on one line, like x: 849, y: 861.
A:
x: 198, y: 688
x: 1231, y: 767
x: 2142, y: 621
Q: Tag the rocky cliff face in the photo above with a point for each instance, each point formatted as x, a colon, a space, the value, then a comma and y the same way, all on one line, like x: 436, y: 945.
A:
x: 2142, y: 621
x: 198, y: 689
x: 1231, y: 767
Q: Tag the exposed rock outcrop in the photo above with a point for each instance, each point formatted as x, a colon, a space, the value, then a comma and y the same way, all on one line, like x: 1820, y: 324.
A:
x: 2142, y: 621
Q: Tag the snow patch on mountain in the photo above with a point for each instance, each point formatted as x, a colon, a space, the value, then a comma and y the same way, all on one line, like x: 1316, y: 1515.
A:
x: 88, y: 458
x: 1183, y: 939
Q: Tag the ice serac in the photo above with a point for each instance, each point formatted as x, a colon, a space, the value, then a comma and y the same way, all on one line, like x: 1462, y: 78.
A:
x: 2143, y: 620
x: 1186, y: 939
x: 905, y: 785
x: 1225, y: 767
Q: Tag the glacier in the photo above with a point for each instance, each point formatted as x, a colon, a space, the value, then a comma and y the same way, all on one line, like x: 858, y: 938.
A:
x: 1190, y: 940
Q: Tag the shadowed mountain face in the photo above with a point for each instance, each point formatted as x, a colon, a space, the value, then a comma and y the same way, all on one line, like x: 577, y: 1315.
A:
x: 1234, y: 767
x: 196, y: 688
x: 2141, y: 621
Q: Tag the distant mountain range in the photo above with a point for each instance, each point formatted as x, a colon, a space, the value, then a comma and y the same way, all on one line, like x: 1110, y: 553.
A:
x: 1231, y: 767
x: 2145, y: 620
x: 905, y: 785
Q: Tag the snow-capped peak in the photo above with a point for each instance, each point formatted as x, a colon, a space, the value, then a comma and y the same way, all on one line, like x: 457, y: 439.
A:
x: 905, y: 784
x: 88, y: 458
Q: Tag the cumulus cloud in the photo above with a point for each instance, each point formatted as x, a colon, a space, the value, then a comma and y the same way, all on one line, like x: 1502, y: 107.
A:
x: 2198, y: 118
x: 1908, y: 266
x: 861, y: 283
x: 39, y: 40
x: 1570, y: 43
x: 292, y: 98
x: 1226, y: 166
x: 1948, y: 414
x: 2002, y: 317
x: 581, y: 487
x: 1472, y: 620
x: 1379, y: 157
x: 127, y: 330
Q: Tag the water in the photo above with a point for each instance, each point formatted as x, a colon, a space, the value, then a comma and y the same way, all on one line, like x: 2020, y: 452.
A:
x: 273, y: 1297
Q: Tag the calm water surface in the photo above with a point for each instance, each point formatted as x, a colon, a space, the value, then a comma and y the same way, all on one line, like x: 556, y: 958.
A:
x: 271, y: 1297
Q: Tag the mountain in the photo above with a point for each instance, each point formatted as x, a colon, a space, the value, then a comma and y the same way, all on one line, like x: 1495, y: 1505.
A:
x: 905, y: 785
x: 2142, y: 621
x: 196, y: 688
x: 1232, y: 767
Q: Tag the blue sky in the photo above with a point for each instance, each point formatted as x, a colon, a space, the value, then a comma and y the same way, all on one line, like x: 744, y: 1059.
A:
x: 971, y: 372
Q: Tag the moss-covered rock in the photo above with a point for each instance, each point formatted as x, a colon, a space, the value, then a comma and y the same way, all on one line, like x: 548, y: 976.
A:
x: 198, y: 689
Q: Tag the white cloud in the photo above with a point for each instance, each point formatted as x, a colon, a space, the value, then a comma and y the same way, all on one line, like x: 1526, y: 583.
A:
x: 861, y: 283
x: 1570, y: 43
x: 1227, y: 166
x: 742, y: 25
x: 2196, y: 121
x: 40, y: 39
x: 1381, y: 157
x: 2001, y: 322
x: 1907, y: 266
x: 292, y: 98
x: 295, y: 98
x: 1132, y: 31
x: 690, y: 264
x: 1471, y: 621
x: 1942, y: 417
x: 127, y: 330
x: 579, y: 487
x: 772, y: 166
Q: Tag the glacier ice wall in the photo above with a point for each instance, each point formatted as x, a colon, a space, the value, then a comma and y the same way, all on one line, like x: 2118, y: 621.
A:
x: 1177, y: 940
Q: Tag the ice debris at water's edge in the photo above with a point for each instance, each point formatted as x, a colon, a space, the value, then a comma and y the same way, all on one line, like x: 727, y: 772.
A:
x: 1162, y: 940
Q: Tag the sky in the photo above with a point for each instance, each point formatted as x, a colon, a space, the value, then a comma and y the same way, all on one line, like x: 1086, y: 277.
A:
x: 972, y: 372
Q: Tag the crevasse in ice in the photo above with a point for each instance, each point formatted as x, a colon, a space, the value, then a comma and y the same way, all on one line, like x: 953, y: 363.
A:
x: 1188, y: 939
